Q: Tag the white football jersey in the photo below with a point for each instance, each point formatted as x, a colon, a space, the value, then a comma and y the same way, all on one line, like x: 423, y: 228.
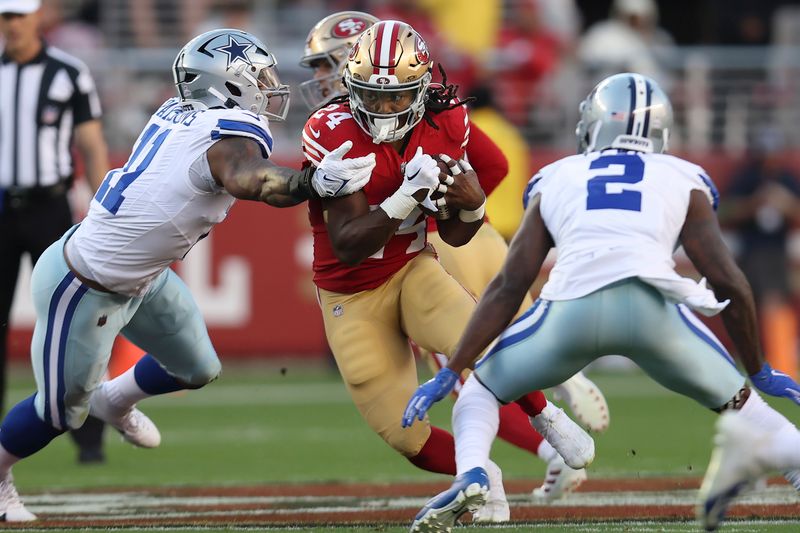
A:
x: 618, y: 214
x: 150, y: 212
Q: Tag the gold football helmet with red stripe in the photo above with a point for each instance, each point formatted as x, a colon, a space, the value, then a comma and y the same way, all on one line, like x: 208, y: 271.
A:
x: 387, y: 76
x: 327, y: 47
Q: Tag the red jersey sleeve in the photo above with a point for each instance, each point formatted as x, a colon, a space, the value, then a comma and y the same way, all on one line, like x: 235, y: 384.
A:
x: 327, y: 129
x: 486, y: 158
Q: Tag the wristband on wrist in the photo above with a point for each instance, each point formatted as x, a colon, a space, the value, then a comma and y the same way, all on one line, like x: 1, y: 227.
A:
x: 399, y: 205
x: 300, y: 184
x: 474, y: 215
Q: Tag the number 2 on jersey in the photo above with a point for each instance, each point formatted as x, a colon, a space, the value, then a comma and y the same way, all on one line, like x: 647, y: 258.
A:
x: 633, y: 172
x: 111, y: 197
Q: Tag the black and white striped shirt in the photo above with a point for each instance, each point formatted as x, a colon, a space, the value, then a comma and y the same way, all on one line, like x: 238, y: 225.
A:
x: 41, y: 101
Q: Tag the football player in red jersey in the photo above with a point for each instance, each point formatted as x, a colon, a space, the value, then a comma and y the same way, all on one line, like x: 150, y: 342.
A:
x: 474, y: 264
x: 378, y: 280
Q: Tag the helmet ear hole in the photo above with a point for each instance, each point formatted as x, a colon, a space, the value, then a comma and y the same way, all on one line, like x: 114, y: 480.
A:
x: 233, y: 89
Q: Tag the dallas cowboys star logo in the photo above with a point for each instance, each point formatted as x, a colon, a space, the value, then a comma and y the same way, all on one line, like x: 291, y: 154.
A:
x: 236, y: 50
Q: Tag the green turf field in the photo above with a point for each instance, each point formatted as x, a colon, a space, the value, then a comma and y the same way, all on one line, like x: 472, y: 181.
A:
x: 294, y: 423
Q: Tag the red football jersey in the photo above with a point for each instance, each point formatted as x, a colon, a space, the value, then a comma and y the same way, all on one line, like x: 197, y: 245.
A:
x: 328, y: 128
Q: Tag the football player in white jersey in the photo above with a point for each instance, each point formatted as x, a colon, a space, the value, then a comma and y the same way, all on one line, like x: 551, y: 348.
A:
x: 198, y: 153
x: 615, y: 213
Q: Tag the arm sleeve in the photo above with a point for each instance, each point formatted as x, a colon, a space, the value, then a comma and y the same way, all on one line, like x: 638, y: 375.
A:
x: 486, y: 158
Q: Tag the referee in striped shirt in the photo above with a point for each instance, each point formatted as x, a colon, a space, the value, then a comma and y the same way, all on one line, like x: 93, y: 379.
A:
x: 47, y: 100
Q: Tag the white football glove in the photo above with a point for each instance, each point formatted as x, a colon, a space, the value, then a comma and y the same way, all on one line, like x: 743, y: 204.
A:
x: 336, y: 176
x: 419, y: 174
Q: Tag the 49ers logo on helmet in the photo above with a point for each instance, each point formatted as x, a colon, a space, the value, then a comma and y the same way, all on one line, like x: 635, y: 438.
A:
x: 349, y: 27
x: 423, y: 56
x: 353, y: 51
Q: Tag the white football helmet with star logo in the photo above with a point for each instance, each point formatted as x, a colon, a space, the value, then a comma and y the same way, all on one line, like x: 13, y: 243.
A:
x: 230, y: 68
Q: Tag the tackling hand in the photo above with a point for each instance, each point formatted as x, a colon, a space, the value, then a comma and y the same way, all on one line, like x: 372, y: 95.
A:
x: 336, y: 176
x: 429, y: 393
x: 776, y: 383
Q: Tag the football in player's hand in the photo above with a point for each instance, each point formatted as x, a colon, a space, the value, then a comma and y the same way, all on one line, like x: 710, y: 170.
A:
x: 444, y: 173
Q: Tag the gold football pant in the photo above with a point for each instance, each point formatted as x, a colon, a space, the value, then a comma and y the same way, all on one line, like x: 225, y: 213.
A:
x: 473, y: 265
x: 368, y: 333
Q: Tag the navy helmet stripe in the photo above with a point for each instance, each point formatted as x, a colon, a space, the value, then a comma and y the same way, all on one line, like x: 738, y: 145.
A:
x: 632, y: 86
x: 649, y: 93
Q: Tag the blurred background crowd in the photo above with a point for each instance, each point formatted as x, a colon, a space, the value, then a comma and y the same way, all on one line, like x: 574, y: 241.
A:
x: 731, y: 67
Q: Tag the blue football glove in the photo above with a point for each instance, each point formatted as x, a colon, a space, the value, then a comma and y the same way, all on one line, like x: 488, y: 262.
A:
x: 776, y: 383
x: 429, y: 393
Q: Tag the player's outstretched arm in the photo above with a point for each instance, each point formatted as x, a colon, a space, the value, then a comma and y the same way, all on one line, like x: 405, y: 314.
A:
x: 502, y: 298
x: 238, y: 165
x: 702, y: 240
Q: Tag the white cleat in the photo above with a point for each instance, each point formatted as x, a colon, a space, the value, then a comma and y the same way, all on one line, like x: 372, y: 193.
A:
x: 11, y: 506
x: 134, y: 426
x: 559, y: 481
x: 734, y: 468
x: 585, y: 400
x: 496, y: 509
x: 568, y: 438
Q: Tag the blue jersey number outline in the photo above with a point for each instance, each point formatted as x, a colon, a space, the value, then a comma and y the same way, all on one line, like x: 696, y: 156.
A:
x: 111, y: 197
x: 633, y: 172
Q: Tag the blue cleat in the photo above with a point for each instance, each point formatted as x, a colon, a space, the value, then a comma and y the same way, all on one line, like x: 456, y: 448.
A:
x: 468, y: 492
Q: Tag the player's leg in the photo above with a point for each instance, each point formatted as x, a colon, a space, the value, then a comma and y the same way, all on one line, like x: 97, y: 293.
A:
x: 378, y: 369
x: 42, y: 224
x: 169, y: 326
x: 475, y: 415
x: 686, y: 357
x: 535, y: 351
x: 514, y: 426
x: 435, y: 310
x: 69, y: 352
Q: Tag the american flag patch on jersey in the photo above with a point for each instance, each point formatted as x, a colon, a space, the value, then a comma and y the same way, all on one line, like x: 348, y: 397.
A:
x: 620, y: 116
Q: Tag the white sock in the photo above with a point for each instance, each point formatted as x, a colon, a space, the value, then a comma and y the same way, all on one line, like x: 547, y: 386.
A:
x: 7, y: 460
x: 546, y: 452
x: 476, y: 417
x: 783, y: 450
x: 123, y: 392
x: 761, y: 415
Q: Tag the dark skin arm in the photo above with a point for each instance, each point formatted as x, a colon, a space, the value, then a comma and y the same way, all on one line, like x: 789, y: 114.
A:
x: 238, y: 165
x: 356, y: 232
x: 702, y: 240
x: 465, y: 193
x: 502, y: 298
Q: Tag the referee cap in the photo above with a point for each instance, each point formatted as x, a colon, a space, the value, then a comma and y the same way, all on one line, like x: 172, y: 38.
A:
x: 23, y: 7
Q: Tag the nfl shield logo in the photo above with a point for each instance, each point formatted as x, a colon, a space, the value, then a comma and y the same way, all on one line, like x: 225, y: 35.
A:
x: 49, y: 114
